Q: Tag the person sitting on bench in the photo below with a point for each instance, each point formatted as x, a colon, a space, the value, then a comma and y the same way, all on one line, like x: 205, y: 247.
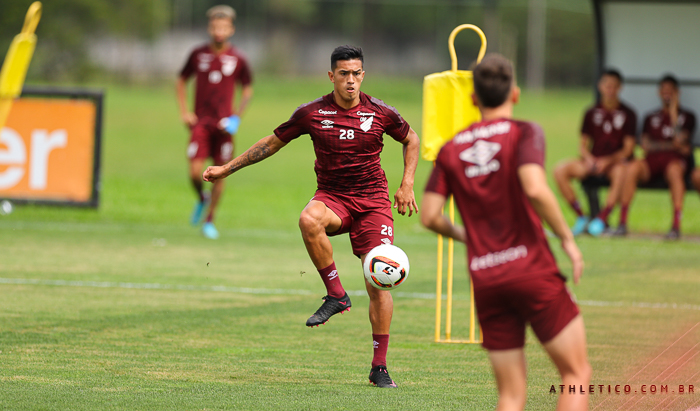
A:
x: 607, y: 142
x: 666, y: 143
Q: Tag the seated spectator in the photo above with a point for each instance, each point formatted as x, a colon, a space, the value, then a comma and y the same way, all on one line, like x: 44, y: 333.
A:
x: 607, y: 142
x: 666, y: 143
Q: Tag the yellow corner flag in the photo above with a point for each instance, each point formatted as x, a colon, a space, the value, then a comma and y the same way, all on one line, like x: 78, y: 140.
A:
x: 447, y: 101
x: 14, y: 69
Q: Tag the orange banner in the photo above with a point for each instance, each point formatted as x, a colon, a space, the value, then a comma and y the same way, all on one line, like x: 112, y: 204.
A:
x: 47, y: 150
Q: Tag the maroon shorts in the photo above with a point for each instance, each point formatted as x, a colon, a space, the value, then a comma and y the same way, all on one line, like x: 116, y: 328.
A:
x: 368, y: 220
x: 658, y: 162
x: 207, y: 140
x: 505, y: 309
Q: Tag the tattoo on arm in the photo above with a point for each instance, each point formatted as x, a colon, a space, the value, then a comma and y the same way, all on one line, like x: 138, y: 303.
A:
x: 256, y: 153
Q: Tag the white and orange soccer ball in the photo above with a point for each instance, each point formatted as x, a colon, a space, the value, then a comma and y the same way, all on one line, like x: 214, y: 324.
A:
x: 386, y: 267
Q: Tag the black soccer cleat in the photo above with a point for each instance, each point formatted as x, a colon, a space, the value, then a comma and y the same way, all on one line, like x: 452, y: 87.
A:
x: 379, y: 376
x: 674, y: 234
x: 330, y: 307
x: 620, y: 231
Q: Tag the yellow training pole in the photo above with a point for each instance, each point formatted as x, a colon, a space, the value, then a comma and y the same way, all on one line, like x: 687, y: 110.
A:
x: 438, y: 291
x: 14, y: 69
x: 450, y: 275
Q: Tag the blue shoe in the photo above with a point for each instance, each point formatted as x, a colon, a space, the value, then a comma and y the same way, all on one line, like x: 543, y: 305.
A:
x: 580, y: 225
x: 198, y: 211
x: 596, y: 227
x: 210, y: 231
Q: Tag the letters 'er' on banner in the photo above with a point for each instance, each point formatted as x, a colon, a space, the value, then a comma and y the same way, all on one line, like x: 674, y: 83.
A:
x: 447, y: 101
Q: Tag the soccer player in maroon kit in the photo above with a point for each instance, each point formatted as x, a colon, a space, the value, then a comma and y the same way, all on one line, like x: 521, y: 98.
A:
x: 666, y: 141
x: 494, y: 169
x: 217, y: 67
x: 346, y: 127
x: 607, y: 142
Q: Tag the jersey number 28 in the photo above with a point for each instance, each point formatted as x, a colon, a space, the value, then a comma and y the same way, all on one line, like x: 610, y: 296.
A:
x: 347, y: 134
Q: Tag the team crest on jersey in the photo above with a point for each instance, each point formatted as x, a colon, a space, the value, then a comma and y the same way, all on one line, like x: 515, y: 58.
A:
x: 366, y: 123
x: 481, y: 154
x: 619, y: 120
x: 228, y: 64
x: 327, y: 124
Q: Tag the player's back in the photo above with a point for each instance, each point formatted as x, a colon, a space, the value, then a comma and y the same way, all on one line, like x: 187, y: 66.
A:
x: 505, y: 238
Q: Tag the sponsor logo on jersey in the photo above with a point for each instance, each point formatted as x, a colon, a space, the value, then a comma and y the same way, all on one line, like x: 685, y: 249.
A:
x: 482, y: 132
x: 327, y: 124
x: 598, y: 117
x: 491, y: 260
x: 481, y: 154
x: 320, y: 111
x: 366, y: 123
x: 359, y: 113
x: 333, y: 275
x: 656, y: 121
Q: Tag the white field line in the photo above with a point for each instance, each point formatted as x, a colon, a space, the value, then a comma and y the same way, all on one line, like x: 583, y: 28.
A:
x: 287, y: 291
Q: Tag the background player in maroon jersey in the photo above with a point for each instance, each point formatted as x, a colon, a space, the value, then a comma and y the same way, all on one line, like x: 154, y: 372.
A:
x: 346, y: 127
x: 495, y: 171
x: 607, y: 142
x: 217, y: 67
x: 666, y: 141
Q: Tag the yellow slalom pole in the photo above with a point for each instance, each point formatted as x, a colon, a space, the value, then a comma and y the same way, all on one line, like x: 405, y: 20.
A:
x: 438, y: 291
x: 450, y: 274
x: 14, y: 69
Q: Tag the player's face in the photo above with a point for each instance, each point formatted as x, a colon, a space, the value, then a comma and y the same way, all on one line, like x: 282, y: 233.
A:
x: 667, y: 92
x: 609, y: 87
x: 347, y: 78
x: 220, y: 30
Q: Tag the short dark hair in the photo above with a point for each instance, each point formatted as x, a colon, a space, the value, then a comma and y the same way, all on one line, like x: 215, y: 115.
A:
x: 669, y: 78
x: 493, y: 80
x: 613, y: 73
x: 342, y: 53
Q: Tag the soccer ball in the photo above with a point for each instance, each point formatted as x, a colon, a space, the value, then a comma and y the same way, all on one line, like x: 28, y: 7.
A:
x: 386, y: 267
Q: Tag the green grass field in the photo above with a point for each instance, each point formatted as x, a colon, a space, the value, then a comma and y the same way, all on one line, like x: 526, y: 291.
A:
x: 128, y: 307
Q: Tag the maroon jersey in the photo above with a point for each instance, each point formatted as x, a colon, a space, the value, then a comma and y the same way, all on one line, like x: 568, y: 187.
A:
x: 505, y: 238
x: 657, y: 125
x: 217, y: 75
x: 608, y: 129
x: 347, y: 142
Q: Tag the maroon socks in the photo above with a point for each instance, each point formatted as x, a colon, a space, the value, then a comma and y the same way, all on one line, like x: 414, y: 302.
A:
x: 381, y: 344
x: 330, y: 278
x: 577, y: 208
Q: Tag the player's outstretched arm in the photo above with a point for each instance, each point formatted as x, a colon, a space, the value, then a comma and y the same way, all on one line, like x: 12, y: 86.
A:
x: 534, y: 182
x: 405, y: 198
x: 259, y: 151
x: 433, y: 218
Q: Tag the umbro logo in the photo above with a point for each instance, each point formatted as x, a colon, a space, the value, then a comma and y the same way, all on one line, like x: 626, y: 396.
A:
x: 375, y: 344
x: 327, y: 124
x: 333, y: 275
x: 481, y: 154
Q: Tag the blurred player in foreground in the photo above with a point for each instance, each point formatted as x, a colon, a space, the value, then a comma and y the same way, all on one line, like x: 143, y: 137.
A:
x: 346, y: 127
x: 666, y: 142
x: 607, y: 142
x: 218, y: 67
x: 494, y: 169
